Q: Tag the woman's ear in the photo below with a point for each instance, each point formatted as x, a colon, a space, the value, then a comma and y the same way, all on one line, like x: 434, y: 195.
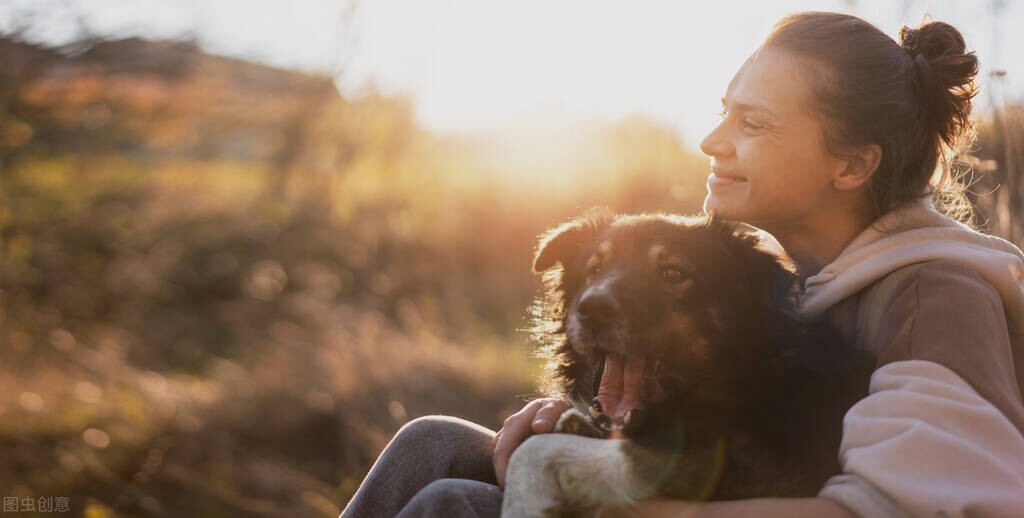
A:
x: 861, y: 163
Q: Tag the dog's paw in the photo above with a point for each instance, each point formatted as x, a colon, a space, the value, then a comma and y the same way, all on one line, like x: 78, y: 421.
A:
x: 566, y: 475
x: 574, y: 422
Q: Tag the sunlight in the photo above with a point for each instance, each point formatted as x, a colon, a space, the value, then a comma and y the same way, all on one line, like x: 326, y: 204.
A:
x: 478, y: 65
x: 473, y: 65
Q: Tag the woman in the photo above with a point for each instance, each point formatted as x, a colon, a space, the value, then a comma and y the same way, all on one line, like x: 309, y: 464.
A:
x: 831, y: 134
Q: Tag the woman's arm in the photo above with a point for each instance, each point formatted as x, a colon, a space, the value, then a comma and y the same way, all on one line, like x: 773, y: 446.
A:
x: 941, y: 430
x: 923, y: 442
x: 758, y: 507
x: 926, y: 441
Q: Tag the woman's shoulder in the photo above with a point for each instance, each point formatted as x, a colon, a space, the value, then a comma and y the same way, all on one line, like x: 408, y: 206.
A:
x: 933, y: 293
x: 935, y: 301
x: 942, y: 277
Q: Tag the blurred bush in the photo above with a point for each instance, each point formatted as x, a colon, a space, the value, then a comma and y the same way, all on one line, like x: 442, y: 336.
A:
x: 995, y: 166
x: 223, y: 286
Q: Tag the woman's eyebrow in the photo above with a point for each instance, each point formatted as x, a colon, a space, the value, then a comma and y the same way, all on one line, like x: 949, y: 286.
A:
x: 746, y: 107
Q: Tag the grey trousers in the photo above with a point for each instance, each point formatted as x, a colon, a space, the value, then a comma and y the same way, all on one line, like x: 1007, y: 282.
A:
x: 434, y: 466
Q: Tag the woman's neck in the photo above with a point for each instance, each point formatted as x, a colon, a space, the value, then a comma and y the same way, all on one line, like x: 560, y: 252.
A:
x: 818, y: 240
x: 811, y: 252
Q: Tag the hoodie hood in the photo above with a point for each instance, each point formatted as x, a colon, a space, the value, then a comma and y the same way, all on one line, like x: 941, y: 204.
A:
x: 915, y: 233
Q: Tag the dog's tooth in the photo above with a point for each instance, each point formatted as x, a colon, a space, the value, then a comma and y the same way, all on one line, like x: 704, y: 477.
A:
x: 593, y: 412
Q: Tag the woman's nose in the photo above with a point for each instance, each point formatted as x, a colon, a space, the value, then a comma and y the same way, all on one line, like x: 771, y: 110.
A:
x: 716, y: 143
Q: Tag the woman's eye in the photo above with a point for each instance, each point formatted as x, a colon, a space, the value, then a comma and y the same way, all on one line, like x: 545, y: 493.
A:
x: 593, y: 270
x: 672, y: 275
x: 751, y: 124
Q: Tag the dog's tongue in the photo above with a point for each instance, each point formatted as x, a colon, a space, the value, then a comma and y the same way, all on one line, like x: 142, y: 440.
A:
x: 621, y: 385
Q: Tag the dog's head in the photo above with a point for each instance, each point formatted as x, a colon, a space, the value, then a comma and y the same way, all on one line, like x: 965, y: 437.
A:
x: 655, y: 311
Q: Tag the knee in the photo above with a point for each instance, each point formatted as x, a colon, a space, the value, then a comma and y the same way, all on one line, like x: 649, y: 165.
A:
x: 434, y: 429
x: 425, y: 428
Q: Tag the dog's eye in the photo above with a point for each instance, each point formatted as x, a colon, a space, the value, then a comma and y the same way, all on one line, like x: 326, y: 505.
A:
x: 672, y: 274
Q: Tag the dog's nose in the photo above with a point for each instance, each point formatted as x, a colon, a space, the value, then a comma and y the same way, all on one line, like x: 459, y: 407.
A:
x: 597, y: 309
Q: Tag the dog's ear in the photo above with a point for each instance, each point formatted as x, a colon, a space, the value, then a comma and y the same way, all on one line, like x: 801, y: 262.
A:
x: 560, y: 244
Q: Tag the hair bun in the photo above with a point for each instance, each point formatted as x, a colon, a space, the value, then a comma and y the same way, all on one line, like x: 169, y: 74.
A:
x: 933, y: 40
x: 944, y: 73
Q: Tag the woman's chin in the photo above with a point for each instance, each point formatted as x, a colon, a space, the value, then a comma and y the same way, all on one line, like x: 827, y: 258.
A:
x: 721, y: 209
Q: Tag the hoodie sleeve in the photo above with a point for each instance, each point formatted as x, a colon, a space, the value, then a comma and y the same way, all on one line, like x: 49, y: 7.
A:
x: 940, y: 431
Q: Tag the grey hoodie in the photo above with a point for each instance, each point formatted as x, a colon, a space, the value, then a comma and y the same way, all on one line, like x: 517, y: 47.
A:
x: 941, y: 432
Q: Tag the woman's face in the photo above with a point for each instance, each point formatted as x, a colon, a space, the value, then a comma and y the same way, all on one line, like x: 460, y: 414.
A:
x: 769, y: 165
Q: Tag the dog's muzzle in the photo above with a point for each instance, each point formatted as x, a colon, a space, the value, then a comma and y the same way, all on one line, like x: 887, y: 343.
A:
x: 620, y: 385
x: 600, y: 322
x: 598, y: 309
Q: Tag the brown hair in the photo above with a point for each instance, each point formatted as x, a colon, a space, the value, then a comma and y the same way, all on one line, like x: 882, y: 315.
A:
x: 912, y: 98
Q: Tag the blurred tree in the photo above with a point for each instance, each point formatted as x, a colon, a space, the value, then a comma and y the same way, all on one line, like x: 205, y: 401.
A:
x: 182, y: 317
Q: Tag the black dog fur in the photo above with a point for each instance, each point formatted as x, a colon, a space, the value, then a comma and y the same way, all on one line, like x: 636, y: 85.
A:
x: 740, y: 399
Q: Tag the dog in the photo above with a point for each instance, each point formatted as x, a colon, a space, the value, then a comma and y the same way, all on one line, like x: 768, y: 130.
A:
x: 689, y: 376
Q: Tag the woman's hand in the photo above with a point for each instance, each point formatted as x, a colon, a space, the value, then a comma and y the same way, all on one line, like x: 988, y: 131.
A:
x: 538, y: 416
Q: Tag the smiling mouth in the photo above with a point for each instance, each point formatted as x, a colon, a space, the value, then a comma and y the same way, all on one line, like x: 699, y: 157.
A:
x: 719, y: 178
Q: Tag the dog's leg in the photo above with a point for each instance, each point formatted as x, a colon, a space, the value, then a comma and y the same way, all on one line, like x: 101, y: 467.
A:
x: 554, y: 474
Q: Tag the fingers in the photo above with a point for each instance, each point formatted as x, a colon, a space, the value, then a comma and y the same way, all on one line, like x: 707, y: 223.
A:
x: 545, y: 419
x: 538, y: 416
x: 513, y: 432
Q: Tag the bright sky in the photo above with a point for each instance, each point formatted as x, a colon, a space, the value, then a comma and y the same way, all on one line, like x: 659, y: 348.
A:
x: 479, y: 64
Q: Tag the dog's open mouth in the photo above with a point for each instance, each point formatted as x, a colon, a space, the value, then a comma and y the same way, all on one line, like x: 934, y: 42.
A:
x: 621, y: 388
